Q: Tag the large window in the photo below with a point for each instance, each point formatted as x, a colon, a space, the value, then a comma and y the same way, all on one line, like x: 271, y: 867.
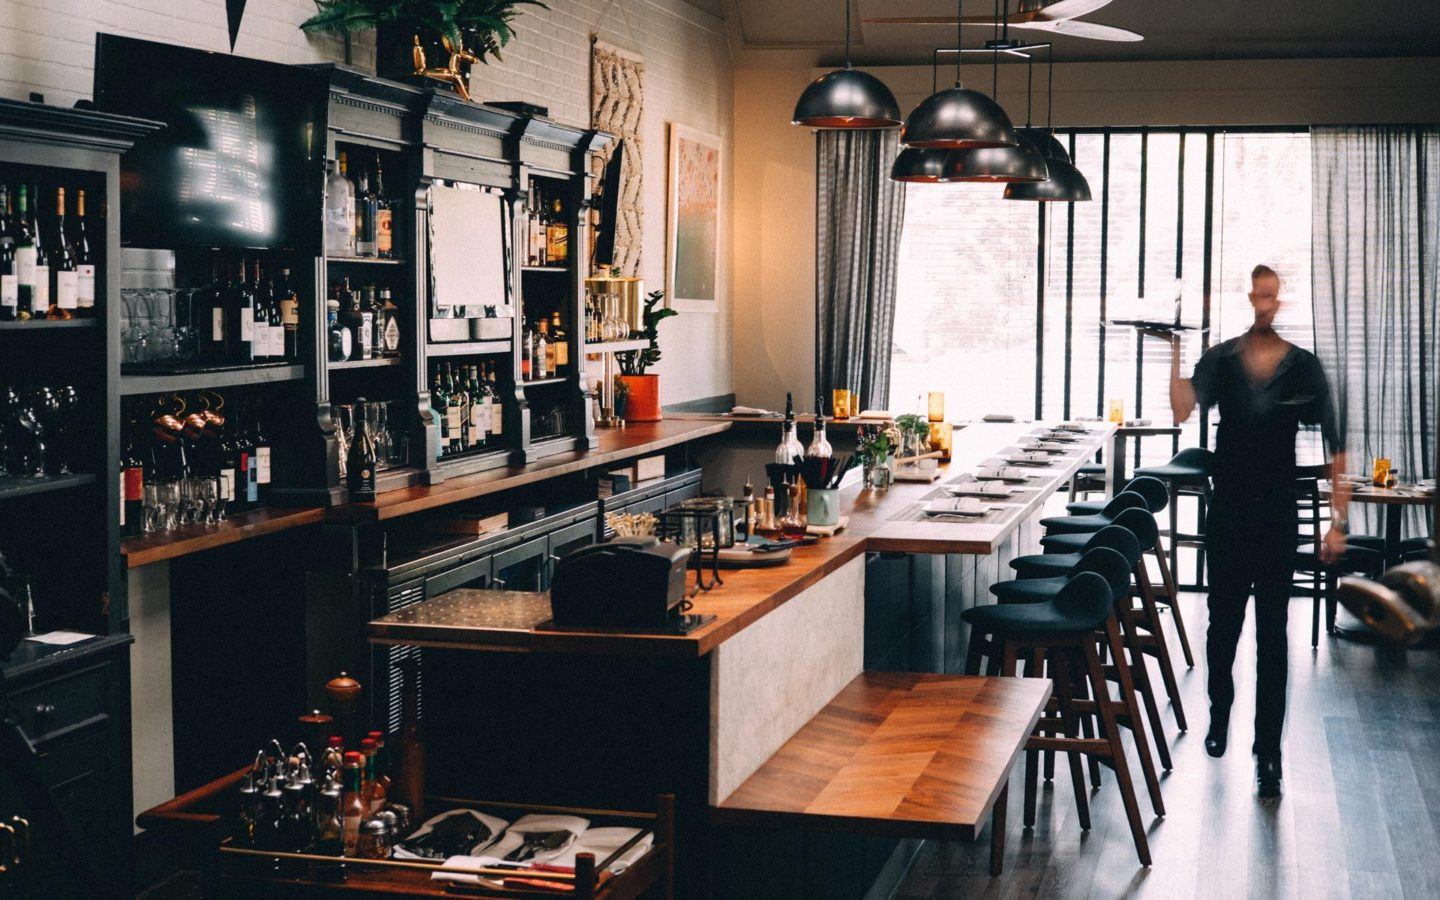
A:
x: 1005, y: 305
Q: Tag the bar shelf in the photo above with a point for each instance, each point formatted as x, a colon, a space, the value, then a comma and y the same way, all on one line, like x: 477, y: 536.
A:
x: 11, y: 487
x: 366, y: 260
x: 209, y: 377
x: 378, y: 362
x: 49, y: 324
x: 467, y: 348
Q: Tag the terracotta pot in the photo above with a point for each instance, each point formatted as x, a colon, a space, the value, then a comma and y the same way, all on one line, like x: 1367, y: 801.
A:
x: 644, y: 401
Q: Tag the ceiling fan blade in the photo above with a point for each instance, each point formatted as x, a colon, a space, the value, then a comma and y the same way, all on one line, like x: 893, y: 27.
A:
x: 1086, y: 30
x: 1068, y: 9
x: 1014, y: 18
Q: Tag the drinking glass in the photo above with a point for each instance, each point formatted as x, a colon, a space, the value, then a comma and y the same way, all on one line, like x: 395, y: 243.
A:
x: 162, y: 314
x: 840, y: 403
x: 377, y: 422
x: 399, y: 441
x: 168, y: 496
x: 152, y: 511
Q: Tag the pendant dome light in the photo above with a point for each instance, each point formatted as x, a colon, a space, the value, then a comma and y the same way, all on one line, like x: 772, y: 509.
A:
x: 1066, y: 184
x: 957, y: 118
x: 916, y: 166
x: 1023, y: 163
x: 847, y: 98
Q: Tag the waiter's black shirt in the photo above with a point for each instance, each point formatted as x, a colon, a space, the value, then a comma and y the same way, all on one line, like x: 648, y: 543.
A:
x: 1255, y: 444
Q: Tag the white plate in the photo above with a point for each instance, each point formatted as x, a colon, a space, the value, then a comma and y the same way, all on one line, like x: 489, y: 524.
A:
x: 955, y: 506
x: 1028, y: 459
x: 1077, y: 427
x: 990, y: 489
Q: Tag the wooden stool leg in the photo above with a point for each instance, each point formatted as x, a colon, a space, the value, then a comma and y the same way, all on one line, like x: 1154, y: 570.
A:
x: 1087, y: 723
x: 974, y: 651
x: 1140, y: 674
x: 1172, y: 590
x: 1034, y: 668
x: 1315, y: 598
x: 1111, y: 731
x: 1137, y: 723
x: 997, y: 832
x: 1162, y: 647
x: 1065, y: 686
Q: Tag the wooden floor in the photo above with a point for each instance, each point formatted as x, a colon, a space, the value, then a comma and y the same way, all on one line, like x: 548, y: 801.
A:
x: 1360, y: 815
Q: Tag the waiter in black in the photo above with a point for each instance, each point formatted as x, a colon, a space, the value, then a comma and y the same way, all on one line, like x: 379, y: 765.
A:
x: 1265, y: 388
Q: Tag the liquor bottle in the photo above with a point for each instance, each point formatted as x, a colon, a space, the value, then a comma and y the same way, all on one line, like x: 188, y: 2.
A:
x: 543, y: 327
x: 352, y: 804
x: 789, y: 449
x: 132, y: 487
x: 439, y: 402
x: 260, y: 445
x: 535, y: 227
x: 339, y: 211
x: 377, y: 321
x: 454, y: 411
x: 289, y: 316
x: 479, y: 409
x: 497, y: 416
x: 338, y: 336
x: 65, y: 293
x: 360, y: 459
x: 527, y: 346
x: 560, y: 339
x: 31, y: 264
x: 365, y: 213
x: 260, y: 316
x: 539, y: 352
x: 353, y: 320
x: 819, y: 445
x: 84, y: 259
x: 390, y: 325
x: 384, y: 217
x: 9, y: 282
x: 557, y: 236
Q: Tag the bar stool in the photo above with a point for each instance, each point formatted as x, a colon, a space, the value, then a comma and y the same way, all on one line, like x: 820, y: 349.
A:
x: 1156, y: 494
x: 1187, y: 474
x: 1141, y: 524
x: 1152, y: 496
x: 1088, y: 479
x: 1117, y: 565
x: 1062, y: 631
x: 1060, y: 541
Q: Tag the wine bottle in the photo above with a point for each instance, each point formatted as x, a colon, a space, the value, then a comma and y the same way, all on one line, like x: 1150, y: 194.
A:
x: 229, y: 453
x: 479, y: 409
x: 360, y: 459
x: 274, y: 325
x: 132, y: 487
x: 560, y: 341
x: 31, y: 264
x: 9, y: 282
x: 439, y: 402
x: 497, y: 409
x: 260, y: 316
x: 454, y: 411
x: 261, y: 445
x: 84, y: 259
x: 65, y: 297
x: 365, y: 214
x: 289, y: 316
x: 240, y: 317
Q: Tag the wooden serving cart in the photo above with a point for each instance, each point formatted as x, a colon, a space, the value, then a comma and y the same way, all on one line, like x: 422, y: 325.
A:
x: 197, y: 824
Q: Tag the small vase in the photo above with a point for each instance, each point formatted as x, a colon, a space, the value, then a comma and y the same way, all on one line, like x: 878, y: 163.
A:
x: 823, y: 507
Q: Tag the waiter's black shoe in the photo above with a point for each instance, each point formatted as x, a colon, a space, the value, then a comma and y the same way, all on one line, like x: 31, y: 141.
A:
x: 1267, y: 773
x: 1217, y: 736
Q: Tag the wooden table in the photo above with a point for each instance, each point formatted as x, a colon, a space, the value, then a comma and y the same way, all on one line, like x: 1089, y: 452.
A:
x: 900, y: 754
x: 1394, y: 501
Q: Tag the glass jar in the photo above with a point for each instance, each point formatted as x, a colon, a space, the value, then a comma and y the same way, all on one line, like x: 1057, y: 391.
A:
x: 374, y: 841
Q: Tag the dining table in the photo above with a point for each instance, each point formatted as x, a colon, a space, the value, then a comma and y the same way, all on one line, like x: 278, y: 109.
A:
x: 1395, y: 500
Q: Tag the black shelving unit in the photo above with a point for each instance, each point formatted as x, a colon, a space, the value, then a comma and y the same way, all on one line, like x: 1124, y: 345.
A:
x: 209, y: 378
x: 43, y: 325
x: 12, y: 487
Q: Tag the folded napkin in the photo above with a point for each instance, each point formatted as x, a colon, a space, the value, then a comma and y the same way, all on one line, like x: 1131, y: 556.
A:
x: 1005, y: 473
x: 751, y: 411
x: 604, y: 841
x: 997, y: 417
x: 1137, y: 423
x: 496, y: 826
x: 514, y: 838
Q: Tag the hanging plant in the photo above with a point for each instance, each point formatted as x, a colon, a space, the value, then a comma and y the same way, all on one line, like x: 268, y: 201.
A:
x: 482, y: 27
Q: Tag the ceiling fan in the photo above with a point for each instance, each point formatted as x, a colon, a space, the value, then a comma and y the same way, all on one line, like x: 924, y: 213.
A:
x: 1052, y: 16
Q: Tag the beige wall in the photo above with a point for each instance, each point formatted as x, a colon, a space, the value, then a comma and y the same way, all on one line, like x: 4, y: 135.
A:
x: 775, y: 210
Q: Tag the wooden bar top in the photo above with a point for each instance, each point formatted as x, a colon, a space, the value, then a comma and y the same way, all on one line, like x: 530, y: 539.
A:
x: 144, y: 549
x: 896, y: 754
x: 636, y: 439
x: 749, y: 594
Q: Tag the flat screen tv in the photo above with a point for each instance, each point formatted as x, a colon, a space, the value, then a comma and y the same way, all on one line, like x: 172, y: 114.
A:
x: 241, y: 161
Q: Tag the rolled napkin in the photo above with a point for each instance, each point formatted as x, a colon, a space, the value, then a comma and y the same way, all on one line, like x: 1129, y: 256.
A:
x: 997, y: 417
x: 492, y: 829
x: 1137, y: 423
x: 751, y: 411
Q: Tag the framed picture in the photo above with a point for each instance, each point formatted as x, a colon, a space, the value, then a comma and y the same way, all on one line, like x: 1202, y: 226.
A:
x: 692, y: 233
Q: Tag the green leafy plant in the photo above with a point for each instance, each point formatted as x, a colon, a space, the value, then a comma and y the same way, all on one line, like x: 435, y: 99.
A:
x: 874, y: 446
x: 635, y: 362
x: 913, y: 423
x: 483, y: 26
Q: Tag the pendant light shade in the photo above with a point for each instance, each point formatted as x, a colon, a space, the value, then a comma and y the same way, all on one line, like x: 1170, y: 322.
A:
x: 1020, y: 164
x: 1065, y: 185
x: 1045, y: 142
x: 915, y: 166
x: 957, y: 119
x: 847, y: 98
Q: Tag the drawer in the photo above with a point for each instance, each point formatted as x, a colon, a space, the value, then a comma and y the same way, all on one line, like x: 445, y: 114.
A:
x: 475, y: 574
x: 59, y: 704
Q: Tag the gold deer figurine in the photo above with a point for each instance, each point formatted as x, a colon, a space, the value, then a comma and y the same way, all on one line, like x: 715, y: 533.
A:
x: 455, y: 73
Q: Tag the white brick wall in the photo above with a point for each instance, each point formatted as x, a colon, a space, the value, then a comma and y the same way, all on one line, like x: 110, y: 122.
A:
x: 48, y: 46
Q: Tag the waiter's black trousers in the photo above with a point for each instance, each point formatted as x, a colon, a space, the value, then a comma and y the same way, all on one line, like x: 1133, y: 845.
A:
x: 1251, y: 547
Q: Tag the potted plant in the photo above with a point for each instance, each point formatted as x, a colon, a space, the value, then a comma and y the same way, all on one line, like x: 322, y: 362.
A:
x: 622, y: 396
x: 874, y: 449
x: 643, y: 388
x: 425, y: 39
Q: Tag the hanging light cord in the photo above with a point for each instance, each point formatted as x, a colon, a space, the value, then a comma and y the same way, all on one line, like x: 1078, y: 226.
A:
x: 995, y: 57
x: 1050, y: 90
x: 1029, y: 85
x: 959, y: 37
x: 847, y: 34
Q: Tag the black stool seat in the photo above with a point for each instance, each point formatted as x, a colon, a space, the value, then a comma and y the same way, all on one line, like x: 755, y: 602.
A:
x: 1374, y: 542
x: 1069, y: 542
x: 1107, y: 562
x: 1049, y: 565
x: 1173, y: 472
x: 1085, y: 507
x: 1030, y: 590
x: 1156, y: 494
x: 1079, y: 607
x: 1044, y: 565
x: 1091, y: 469
x: 1092, y: 523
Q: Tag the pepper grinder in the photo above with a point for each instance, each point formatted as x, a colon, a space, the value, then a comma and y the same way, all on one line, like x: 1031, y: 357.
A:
x: 344, y: 694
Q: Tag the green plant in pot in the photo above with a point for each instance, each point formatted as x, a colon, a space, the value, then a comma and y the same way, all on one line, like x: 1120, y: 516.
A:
x: 622, y: 396
x: 425, y: 40
x: 644, y: 388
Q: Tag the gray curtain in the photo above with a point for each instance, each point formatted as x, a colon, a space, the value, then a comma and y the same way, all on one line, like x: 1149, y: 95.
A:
x: 859, y: 213
x: 1375, y: 251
